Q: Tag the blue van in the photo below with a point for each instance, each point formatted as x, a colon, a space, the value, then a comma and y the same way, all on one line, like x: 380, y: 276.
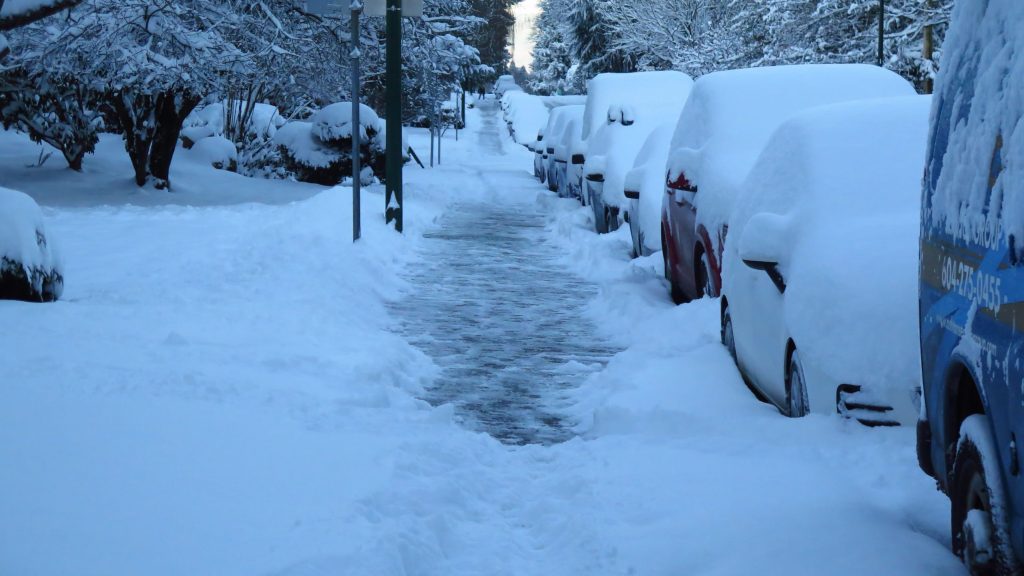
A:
x: 972, y: 285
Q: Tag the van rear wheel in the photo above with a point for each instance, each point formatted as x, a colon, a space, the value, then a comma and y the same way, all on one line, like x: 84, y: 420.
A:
x: 979, y: 519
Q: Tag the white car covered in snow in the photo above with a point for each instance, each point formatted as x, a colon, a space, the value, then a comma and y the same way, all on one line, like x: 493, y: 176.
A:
x: 564, y: 146
x: 537, y: 147
x: 726, y: 122
x: 634, y: 105
x: 819, y: 303
x: 524, y: 115
x: 644, y: 187
x: 504, y: 84
x: 553, y: 132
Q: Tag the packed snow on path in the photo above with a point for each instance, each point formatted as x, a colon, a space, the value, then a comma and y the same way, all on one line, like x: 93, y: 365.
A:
x: 227, y: 389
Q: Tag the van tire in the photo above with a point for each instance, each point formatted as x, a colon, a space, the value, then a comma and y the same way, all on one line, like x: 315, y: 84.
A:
x: 978, y: 518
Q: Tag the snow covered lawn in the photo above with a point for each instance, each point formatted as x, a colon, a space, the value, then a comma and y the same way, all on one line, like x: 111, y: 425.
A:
x: 220, y: 392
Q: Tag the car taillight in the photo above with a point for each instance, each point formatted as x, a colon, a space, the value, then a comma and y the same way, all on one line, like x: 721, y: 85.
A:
x: 680, y: 183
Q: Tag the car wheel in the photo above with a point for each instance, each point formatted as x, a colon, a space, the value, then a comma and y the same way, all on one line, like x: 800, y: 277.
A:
x: 703, y: 276
x: 978, y: 515
x: 728, y: 338
x: 677, y: 293
x: 797, y: 405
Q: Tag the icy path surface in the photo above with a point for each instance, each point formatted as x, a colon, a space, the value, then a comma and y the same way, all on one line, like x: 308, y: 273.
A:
x: 501, y: 316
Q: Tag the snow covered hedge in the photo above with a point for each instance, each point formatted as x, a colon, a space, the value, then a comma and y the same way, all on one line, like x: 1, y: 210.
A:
x: 29, y: 267
x: 320, y: 151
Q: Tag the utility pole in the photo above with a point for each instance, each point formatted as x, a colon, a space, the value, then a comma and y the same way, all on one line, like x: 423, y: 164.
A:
x: 881, y: 32
x: 928, y: 50
x: 357, y: 8
x: 393, y: 79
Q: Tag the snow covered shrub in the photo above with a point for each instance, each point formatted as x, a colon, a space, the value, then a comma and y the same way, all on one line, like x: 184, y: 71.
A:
x: 217, y: 151
x: 320, y: 151
x: 29, y: 267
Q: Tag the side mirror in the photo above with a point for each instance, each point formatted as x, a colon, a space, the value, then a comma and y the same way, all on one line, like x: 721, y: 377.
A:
x: 632, y: 194
x: 762, y: 244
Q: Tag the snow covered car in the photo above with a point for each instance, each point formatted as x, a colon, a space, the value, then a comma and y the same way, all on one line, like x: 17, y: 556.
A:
x: 505, y: 83
x: 557, y: 120
x: 524, y: 115
x: 644, y: 187
x: 538, y: 156
x: 646, y: 99
x: 725, y: 124
x: 30, y: 269
x: 971, y: 290
x: 819, y: 291
x: 570, y: 136
x: 574, y: 170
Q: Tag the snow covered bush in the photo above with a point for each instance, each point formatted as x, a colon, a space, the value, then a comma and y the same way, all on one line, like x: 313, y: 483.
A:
x: 217, y: 151
x: 29, y: 267
x: 320, y: 151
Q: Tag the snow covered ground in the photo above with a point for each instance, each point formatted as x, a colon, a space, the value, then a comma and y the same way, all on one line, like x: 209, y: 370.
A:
x: 226, y: 389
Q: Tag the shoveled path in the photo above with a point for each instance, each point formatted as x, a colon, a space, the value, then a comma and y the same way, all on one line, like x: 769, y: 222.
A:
x: 499, y: 314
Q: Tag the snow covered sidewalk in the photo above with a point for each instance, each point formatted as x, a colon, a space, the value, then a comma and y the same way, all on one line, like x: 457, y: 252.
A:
x: 231, y: 390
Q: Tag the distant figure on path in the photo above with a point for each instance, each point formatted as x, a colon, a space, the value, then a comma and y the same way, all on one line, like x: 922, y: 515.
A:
x: 480, y: 93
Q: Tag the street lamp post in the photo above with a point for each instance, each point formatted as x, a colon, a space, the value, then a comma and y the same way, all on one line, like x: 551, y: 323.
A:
x: 393, y: 96
x: 357, y: 7
x: 881, y: 32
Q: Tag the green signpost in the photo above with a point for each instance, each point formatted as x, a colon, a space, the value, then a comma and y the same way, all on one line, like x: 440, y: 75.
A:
x: 393, y: 82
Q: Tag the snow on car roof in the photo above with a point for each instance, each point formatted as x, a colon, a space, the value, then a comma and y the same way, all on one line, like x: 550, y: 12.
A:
x: 731, y: 114
x: 843, y: 160
x: 557, y: 120
x: 639, y: 89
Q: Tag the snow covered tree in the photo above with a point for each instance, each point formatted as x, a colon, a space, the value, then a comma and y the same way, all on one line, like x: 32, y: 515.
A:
x: 53, y: 108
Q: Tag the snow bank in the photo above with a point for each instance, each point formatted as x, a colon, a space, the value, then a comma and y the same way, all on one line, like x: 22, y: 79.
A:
x: 730, y: 116
x: 985, y: 45
x: 640, y: 89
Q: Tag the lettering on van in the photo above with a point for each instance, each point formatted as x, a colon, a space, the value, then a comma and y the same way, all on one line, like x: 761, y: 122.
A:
x: 972, y: 284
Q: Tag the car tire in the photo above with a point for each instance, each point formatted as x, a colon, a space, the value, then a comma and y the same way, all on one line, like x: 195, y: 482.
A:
x: 728, y: 336
x: 703, y: 276
x: 797, y: 405
x: 674, y: 290
x: 978, y: 515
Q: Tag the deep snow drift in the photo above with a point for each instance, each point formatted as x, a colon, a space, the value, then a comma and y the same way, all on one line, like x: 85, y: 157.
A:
x: 222, y: 392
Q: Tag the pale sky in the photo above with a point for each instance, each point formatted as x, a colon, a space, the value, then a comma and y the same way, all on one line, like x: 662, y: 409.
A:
x: 526, y: 13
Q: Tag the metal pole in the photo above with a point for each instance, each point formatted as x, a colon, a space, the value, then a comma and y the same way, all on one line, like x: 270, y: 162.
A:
x: 881, y: 32
x: 357, y: 8
x: 393, y: 79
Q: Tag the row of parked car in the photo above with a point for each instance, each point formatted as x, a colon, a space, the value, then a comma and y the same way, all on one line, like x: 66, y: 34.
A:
x: 793, y: 194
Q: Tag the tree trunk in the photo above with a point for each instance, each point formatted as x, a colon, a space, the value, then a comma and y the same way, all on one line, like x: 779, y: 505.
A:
x: 132, y: 112
x: 171, y: 111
